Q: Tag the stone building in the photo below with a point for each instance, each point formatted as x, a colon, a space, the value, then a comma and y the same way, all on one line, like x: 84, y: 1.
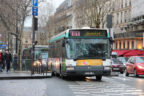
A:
x: 41, y: 36
x: 128, y: 24
x: 136, y: 26
x: 121, y: 18
x: 63, y: 16
x: 61, y: 20
x: 27, y: 38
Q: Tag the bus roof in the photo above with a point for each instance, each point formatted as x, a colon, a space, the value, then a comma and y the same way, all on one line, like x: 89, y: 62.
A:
x: 65, y: 34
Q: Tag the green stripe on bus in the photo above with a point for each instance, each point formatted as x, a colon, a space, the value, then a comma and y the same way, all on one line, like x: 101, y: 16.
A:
x: 57, y: 38
x: 108, y: 34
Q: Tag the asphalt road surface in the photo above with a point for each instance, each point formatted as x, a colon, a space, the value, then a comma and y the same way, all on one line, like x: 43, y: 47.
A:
x: 55, y: 86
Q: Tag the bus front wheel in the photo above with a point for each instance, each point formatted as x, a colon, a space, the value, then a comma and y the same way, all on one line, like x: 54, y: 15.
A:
x: 98, y: 77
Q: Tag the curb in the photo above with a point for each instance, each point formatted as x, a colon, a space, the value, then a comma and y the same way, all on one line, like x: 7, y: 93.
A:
x: 24, y: 77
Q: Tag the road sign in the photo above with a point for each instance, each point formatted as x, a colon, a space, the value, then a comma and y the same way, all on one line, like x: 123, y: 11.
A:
x: 35, y: 11
x: 4, y: 45
x: 35, y: 14
x: 35, y: 3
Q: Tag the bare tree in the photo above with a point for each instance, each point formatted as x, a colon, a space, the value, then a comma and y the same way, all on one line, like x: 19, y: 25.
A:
x: 92, y: 12
x: 13, y: 15
x: 46, y: 9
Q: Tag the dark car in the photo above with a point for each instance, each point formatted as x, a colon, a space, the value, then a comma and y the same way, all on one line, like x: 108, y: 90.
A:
x: 123, y: 60
x: 135, y: 65
x: 117, y: 66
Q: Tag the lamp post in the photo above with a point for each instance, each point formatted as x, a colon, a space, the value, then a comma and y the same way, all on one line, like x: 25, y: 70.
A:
x: 34, y: 28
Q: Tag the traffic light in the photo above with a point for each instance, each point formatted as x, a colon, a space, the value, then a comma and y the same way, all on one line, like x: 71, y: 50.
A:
x: 109, y: 21
x: 35, y: 23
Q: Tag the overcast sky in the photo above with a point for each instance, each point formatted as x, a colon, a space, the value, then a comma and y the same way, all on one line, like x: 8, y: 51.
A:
x: 56, y: 3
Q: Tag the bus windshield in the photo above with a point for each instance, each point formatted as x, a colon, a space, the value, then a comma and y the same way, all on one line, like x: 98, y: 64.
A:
x: 88, y: 48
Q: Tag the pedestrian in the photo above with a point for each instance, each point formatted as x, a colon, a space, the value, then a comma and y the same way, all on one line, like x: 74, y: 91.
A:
x: 8, y: 59
x: 1, y: 61
x: 15, y: 62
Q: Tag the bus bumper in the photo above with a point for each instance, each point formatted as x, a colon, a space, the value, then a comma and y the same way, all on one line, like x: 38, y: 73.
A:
x: 87, y: 71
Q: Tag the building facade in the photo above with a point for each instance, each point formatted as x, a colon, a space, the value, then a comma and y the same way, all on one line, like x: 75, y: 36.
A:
x: 27, y: 38
x: 63, y: 16
x: 121, y: 17
x: 128, y: 24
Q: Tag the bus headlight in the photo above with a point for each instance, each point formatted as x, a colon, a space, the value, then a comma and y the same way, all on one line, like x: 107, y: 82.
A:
x: 70, y: 68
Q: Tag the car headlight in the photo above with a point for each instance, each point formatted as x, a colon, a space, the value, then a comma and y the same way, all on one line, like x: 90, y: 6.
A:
x: 140, y: 67
x: 70, y: 68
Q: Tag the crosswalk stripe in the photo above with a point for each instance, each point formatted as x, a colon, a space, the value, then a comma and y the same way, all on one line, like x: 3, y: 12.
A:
x: 108, y: 87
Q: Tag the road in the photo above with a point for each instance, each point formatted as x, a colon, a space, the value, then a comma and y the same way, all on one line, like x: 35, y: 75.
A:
x: 55, y: 86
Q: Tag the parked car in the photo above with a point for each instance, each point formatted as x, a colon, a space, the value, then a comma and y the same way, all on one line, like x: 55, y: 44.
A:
x: 117, y: 66
x: 123, y: 60
x: 135, y: 65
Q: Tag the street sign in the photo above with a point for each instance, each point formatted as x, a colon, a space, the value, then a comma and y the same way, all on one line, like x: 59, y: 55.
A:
x: 35, y: 14
x: 35, y: 3
x: 35, y: 11
x: 4, y: 45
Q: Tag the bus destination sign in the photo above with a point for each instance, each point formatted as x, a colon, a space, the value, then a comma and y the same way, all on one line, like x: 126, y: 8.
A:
x: 88, y: 33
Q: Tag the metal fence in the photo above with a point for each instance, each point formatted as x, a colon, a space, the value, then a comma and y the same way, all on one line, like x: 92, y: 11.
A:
x: 28, y: 65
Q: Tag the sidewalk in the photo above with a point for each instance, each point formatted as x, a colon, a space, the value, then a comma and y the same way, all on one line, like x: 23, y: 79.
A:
x: 22, y: 75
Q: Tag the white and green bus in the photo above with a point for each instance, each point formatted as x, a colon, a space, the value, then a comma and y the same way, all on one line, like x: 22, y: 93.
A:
x: 80, y: 52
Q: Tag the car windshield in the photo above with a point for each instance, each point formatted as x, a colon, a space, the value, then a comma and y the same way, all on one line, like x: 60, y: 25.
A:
x: 139, y: 59
x: 88, y: 48
x: 116, y: 61
x: 122, y: 59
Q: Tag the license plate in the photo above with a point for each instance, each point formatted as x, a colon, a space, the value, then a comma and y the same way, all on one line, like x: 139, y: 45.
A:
x: 115, y: 68
x: 89, y: 73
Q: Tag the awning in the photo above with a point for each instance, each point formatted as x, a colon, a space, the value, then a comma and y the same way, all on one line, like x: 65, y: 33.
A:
x: 134, y: 53
x: 121, y: 52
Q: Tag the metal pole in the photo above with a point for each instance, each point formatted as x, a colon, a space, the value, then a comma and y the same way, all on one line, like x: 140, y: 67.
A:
x: 8, y: 40
x: 33, y: 45
x: 16, y: 46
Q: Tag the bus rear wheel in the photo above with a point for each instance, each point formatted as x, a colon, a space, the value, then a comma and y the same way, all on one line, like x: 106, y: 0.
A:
x: 98, y: 77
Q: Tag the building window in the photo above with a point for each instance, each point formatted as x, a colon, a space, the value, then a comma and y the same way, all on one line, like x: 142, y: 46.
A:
x: 26, y: 41
x: 126, y: 3
x: 129, y: 2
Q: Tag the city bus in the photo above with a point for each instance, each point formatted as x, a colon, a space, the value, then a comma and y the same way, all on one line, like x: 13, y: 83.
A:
x: 80, y: 52
x: 27, y: 55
